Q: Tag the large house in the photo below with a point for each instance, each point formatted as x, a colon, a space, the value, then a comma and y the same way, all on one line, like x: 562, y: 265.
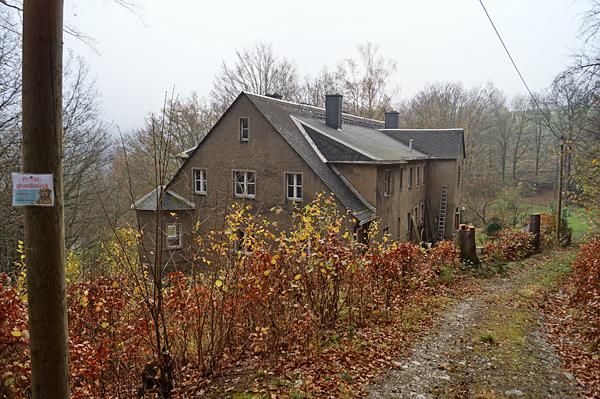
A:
x: 275, y: 153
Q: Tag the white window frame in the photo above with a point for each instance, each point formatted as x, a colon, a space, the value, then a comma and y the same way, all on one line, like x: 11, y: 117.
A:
x: 178, y: 232
x: 245, y: 183
x: 387, y: 183
x: 203, y: 181
x: 246, y: 129
x: 295, y: 186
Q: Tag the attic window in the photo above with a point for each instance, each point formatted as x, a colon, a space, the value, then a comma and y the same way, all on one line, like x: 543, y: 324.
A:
x: 244, y: 129
x: 199, y: 181
x: 293, y: 186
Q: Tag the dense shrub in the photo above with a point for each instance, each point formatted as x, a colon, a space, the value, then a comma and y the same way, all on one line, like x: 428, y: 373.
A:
x: 586, y: 273
x: 509, y: 245
x: 548, y: 230
x: 14, y: 340
x: 289, y: 295
x: 493, y: 228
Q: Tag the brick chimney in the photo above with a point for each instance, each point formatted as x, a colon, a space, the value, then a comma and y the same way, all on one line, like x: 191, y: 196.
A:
x: 333, y: 111
x: 392, y: 120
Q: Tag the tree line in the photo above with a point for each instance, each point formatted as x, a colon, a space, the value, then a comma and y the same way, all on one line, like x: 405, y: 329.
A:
x: 509, y: 141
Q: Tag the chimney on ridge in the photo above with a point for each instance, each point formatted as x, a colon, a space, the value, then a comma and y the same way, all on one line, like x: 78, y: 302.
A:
x: 392, y: 120
x: 333, y: 111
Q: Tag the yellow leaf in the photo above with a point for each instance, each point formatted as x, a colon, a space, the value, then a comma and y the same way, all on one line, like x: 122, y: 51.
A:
x: 594, y: 162
x: 297, y: 277
x: 104, y: 325
x: 115, y: 285
x: 15, y: 333
x: 266, y: 273
x: 219, y: 283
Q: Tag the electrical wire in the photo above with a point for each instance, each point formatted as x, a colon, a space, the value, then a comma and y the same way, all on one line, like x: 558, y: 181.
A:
x: 535, y: 101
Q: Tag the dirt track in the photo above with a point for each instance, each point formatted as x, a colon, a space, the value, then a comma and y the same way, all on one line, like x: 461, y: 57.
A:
x: 489, y: 345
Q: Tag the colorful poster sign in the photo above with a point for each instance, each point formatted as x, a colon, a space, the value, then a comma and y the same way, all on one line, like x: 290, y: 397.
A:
x: 32, y: 190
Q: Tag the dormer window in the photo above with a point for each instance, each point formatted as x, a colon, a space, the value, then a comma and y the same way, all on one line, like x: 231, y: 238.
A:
x: 244, y: 129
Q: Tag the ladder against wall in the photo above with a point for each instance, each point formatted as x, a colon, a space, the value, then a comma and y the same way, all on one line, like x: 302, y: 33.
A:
x: 442, y: 214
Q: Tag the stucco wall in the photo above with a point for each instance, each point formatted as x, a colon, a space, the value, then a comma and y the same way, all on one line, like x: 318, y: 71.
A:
x: 175, y: 258
x: 363, y: 177
x: 266, y: 153
x: 445, y: 172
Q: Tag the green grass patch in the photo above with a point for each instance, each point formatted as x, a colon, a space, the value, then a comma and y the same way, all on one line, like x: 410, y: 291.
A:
x: 583, y: 222
x: 504, y: 335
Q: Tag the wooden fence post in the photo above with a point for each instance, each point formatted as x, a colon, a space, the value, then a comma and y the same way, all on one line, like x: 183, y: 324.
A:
x: 465, y: 241
x: 535, y: 228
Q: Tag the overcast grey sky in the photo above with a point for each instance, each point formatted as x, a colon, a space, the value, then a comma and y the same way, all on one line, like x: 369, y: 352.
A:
x: 182, y: 43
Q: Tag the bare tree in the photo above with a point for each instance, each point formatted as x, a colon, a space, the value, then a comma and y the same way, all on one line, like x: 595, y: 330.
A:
x: 87, y: 145
x: 520, y: 131
x: 314, y: 90
x: 501, y: 129
x: 257, y: 70
x: 567, y: 109
x: 10, y: 131
x: 189, y: 120
x: 364, y: 82
x: 450, y: 104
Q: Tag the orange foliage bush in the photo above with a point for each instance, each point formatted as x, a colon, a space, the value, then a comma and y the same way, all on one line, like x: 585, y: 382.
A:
x: 509, y: 245
x: 586, y: 275
x: 285, y: 297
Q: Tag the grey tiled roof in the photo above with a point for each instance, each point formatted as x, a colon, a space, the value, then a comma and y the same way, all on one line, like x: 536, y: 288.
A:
x: 333, y: 150
x: 365, y: 140
x: 437, y: 143
x: 279, y: 113
x: 171, y: 201
x: 360, y: 140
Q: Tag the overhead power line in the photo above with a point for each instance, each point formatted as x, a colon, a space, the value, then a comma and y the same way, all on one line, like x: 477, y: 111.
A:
x: 535, y: 101
x: 559, y: 187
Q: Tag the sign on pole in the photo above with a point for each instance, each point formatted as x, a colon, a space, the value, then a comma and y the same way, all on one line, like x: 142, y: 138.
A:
x: 32, y: 189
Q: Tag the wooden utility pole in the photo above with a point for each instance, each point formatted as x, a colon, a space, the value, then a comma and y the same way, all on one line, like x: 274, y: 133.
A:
x: 44, y: 226
x: 559, y: 189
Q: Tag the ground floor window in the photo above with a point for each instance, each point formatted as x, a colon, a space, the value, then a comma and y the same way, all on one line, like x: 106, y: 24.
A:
x: 174, y: 235
x: 293, y: 186
x: 242, y: 243
x: 244, y: 183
